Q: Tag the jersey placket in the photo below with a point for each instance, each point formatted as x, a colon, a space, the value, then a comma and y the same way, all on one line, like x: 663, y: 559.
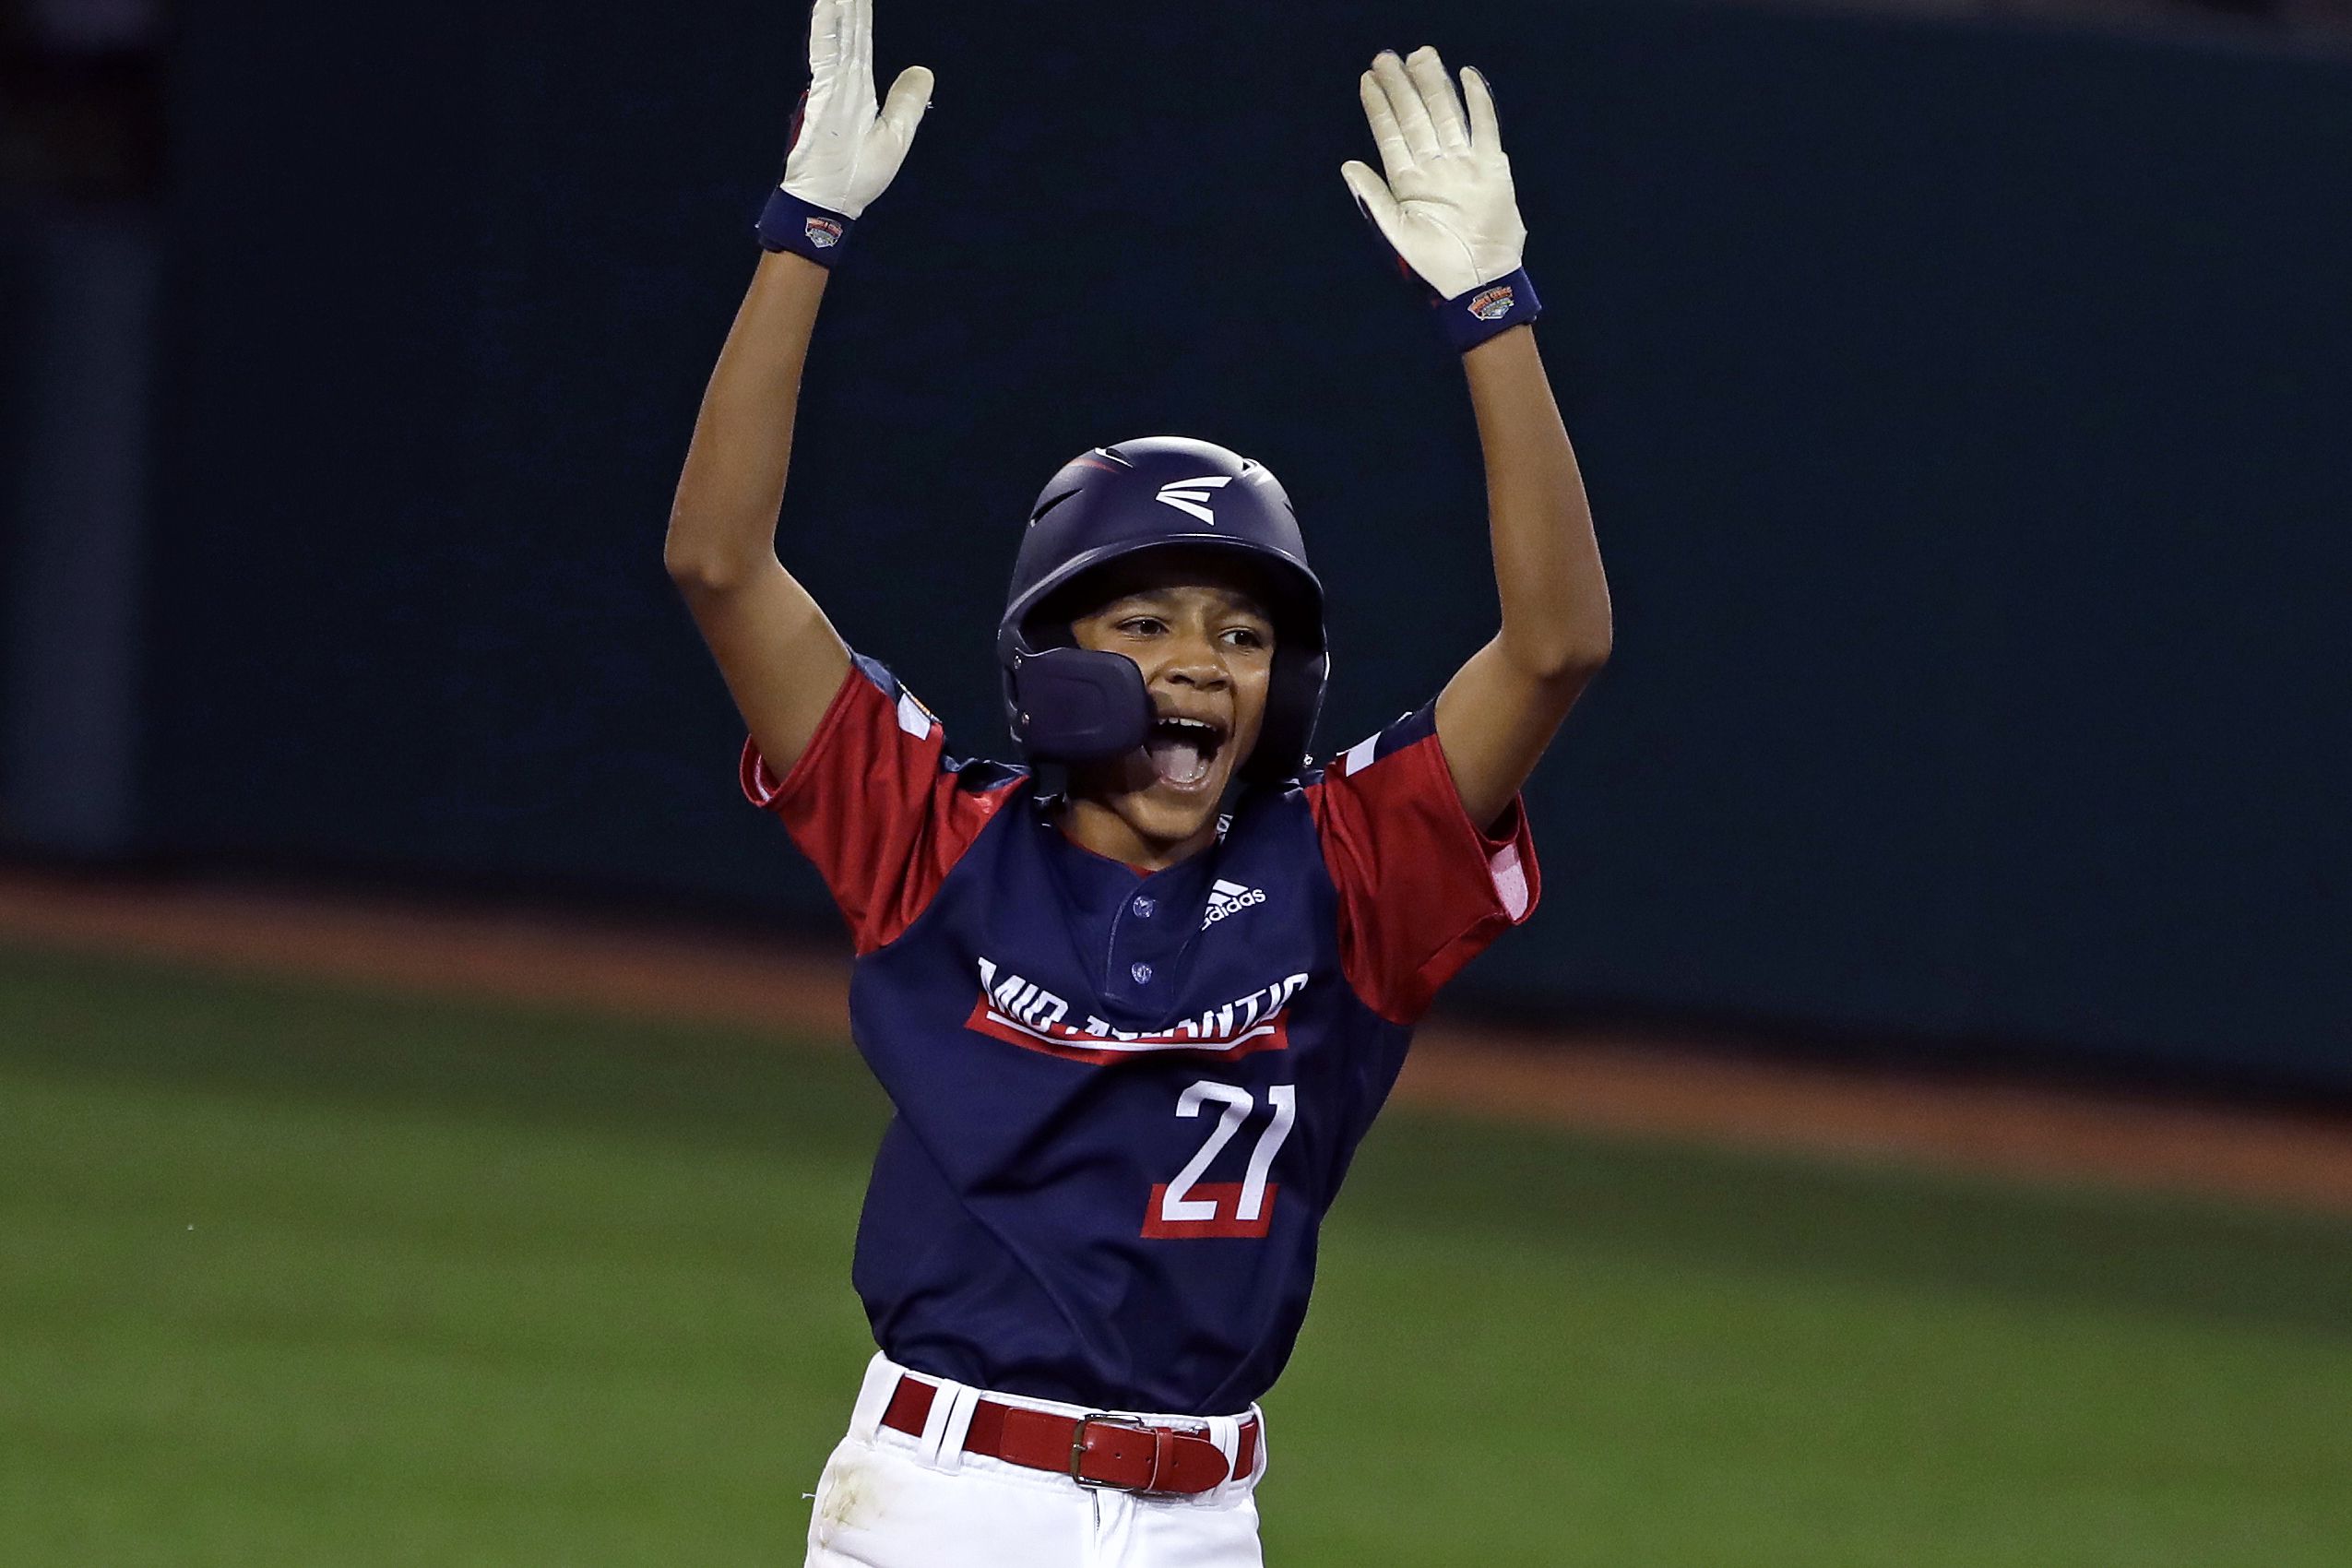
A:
x: 1144, y: 948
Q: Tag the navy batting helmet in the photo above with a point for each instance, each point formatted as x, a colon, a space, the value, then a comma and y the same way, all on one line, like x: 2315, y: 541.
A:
x: 1068, y: 704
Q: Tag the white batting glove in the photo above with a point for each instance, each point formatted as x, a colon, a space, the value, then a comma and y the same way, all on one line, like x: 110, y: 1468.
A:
x: 1446, y: 206
x: 843, y: 154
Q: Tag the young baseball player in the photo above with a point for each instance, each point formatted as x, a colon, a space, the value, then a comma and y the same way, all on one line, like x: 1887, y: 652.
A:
x: 1135, y: 1003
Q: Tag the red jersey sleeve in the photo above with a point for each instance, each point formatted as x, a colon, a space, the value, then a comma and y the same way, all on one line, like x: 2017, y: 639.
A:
x: 1422, y: 889
x: 877, y: 803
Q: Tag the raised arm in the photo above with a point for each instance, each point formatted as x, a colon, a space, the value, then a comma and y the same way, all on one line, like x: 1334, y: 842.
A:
x: 1497, y: 715
x: 1447, y: 208
x: 781, y: 659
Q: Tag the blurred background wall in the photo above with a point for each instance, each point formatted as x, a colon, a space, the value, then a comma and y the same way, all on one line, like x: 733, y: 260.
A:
x: 1966, y: 403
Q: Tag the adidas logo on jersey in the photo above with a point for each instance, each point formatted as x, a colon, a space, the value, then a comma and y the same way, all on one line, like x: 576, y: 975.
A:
x: 1192, y: 496
x: 1229, y: 898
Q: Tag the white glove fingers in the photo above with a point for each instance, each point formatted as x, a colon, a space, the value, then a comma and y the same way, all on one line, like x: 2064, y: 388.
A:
x: 910, y: 96
x: 1405, y: 102
x: 858, y: 55
x: 1396, y: 158
x: 1437, y: 96
x: 1372, y: 193
x: 825, y: 41
x: 1484, y: 134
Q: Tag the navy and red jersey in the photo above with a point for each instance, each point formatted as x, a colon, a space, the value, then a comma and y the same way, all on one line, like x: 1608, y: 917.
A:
x: 1124, y: 1101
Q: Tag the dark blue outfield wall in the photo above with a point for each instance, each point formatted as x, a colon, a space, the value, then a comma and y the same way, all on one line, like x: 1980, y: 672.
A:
x: 1968, y: 414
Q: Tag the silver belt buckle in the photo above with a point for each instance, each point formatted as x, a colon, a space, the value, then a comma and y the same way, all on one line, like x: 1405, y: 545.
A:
x: 1078, y: 1447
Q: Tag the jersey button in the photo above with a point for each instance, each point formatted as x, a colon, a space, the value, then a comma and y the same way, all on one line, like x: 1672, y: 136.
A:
x: 1142, y: 973
x: 1145, y: 905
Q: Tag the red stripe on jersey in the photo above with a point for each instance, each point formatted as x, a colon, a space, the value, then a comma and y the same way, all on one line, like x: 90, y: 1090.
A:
x: 1421, y: 890
x: 1072, y: 1044
x: 875, y: 807
x: 1226, y: 1196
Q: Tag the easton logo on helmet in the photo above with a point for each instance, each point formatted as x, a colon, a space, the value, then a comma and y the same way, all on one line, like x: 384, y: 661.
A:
x: 1493, y: 304
x: 1192, y: 494
x: 824, y: 233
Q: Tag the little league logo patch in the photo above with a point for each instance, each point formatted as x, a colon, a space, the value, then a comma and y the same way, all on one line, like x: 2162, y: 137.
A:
x: 1493, y: 304
x: 824, y: 233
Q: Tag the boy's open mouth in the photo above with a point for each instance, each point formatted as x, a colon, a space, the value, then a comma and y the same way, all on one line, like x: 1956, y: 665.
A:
x: 1183, y: 750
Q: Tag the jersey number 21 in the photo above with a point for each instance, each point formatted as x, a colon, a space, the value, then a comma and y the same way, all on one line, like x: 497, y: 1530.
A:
x: 1189, y: 1206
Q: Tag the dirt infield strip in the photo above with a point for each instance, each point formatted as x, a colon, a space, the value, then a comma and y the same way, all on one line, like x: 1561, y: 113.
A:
x: 1569, y: 1079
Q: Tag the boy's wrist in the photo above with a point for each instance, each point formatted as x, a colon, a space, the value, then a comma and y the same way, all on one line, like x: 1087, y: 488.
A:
x: 1489, y: 310
x: 789, y: 223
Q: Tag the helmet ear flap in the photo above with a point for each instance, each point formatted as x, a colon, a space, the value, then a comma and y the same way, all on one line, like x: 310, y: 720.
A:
x: 1293, y: 701
x: 1078, y: 703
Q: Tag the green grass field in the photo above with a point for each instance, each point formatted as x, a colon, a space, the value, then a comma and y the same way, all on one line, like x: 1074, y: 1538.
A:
x: 294, y: 1275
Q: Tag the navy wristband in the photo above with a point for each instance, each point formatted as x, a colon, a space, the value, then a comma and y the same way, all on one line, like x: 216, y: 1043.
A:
x: 788, y: 223
x: 1489, y: 310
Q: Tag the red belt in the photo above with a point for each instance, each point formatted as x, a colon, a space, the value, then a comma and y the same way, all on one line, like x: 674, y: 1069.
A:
x: 1112, y: 1451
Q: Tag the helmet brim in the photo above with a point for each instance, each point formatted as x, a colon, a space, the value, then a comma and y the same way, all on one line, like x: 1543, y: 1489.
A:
x: 1292, y: 593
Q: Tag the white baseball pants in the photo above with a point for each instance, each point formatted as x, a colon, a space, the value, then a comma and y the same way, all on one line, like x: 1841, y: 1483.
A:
x: 888, y: 1500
